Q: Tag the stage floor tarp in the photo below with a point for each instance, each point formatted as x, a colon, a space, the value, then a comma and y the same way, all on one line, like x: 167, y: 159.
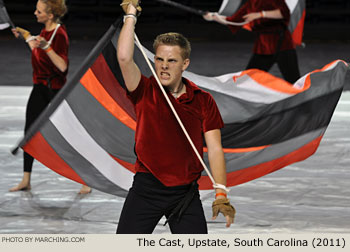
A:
x: 309, y: 196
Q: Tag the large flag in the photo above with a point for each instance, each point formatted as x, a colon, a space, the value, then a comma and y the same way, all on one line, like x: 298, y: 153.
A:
x: 87, y: 132
x: 297, y: 16
x: 5, y: 20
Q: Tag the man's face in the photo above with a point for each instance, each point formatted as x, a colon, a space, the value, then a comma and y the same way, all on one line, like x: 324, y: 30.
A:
x: 169, y: 65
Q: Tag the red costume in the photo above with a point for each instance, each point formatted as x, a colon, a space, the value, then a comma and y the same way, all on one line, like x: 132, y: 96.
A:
x: 43, y: 68
x: 268, y: 30
x: 273, y: 43
x: 161, y: 146
x: 44, y: 71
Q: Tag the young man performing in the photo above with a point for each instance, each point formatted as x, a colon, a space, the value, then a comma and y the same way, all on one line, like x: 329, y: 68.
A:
x: 167, y: 169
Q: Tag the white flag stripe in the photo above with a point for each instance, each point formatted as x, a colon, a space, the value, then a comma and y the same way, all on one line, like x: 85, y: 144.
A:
x: 4, y: 26
x: 75, y: 134
x: 292, y: 4
x: 223, y: 5
x: 333, y: 65
x: 227, y: 77
x: 299, y: 84
x: 244, y: 88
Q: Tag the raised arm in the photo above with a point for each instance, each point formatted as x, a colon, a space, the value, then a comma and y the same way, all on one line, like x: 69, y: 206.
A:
x: 125, y: 50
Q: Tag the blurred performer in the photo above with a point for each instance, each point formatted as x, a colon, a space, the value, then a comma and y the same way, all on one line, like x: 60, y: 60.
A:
x: 50, y: 68
x: 167, y: 170
x: 273, y: 44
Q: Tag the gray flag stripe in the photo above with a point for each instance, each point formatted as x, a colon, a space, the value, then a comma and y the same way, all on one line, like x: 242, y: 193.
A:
x: 297, y: 14
x: 228, y: 8
x: 235, y: 110
x: 111, y: 134
x: 239, y: 161
x: 91, y: 176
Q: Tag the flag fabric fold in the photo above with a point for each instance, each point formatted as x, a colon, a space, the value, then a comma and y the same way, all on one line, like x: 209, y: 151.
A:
x: 297, y: 19
x: 87, y: 132
x: 270, y: 124
x: 229, y: 7
x: 5, y: 20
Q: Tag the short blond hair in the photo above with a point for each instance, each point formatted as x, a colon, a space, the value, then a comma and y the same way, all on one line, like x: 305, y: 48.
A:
x: 174, y: 39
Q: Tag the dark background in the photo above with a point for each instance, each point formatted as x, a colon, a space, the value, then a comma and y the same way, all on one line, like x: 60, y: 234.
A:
x: 325, y: 20
x: 215, y: 51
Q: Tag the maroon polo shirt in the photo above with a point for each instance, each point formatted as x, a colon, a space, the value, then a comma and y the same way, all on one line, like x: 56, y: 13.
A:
x: 161, y: 146
x: 43, y: 68
x: 266, y: 29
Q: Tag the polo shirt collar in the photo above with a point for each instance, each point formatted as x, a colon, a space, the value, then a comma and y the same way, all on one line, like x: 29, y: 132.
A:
x: 191, y: 89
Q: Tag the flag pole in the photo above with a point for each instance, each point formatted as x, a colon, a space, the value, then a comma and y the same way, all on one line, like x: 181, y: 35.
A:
x: 198, y: 12
x: 8, y: 19
x: 175, y: 113
x: 183, y: 7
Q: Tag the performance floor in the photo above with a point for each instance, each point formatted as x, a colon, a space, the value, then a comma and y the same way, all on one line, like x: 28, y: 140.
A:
x: 312, y: 196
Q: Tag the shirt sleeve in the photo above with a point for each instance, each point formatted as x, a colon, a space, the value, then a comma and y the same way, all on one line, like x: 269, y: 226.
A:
x: 137, y: 94
x: 60, y: 45
x: 212, y: 117
x: 282, y: 6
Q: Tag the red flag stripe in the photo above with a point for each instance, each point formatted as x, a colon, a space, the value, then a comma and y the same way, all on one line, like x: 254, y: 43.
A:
x: 280, y: 85
x: 240, y: 150
x: 298, y: 31
x: 253, y: 172
x: 42, y: 151
x: 91, y: 83
x: 107, y: 79
x: 270, y: 81
x: 127, y: 165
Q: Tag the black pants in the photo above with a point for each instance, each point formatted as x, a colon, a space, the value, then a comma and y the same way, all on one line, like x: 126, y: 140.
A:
x: 38, y: 100
x: 149, y: 200
x: 287, y: 62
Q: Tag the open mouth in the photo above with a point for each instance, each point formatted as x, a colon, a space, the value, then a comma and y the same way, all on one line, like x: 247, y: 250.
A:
x: 164, y: 75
